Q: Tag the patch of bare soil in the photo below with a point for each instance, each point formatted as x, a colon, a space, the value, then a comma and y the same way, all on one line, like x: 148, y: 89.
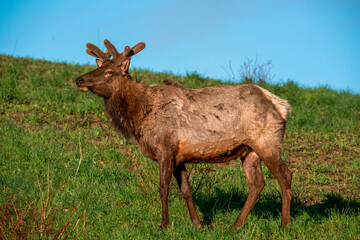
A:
x: 324, y: 167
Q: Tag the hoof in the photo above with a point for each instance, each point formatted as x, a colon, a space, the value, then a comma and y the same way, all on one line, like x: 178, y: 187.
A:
x: 163, y: 226
x: 238, y: 225
x: 285, y: 225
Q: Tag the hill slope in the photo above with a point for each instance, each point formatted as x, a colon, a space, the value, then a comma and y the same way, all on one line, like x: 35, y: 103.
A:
x: 52, y: 136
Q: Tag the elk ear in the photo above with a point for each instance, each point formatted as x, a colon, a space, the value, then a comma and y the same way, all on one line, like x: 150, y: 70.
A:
x: 125, y: 65
x: 99, y: 62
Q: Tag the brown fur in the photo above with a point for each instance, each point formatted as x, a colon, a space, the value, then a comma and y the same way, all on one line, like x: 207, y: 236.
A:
x: 175, y: 125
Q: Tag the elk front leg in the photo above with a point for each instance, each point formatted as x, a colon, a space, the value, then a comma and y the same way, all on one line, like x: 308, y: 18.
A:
x: 166, y: 165
x: 182, y: 178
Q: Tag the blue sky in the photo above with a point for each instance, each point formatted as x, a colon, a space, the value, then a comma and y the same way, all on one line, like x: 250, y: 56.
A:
x: 314, y: 43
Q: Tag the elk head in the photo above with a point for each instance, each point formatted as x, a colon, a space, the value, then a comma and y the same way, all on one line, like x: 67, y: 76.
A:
x: 112, y: 67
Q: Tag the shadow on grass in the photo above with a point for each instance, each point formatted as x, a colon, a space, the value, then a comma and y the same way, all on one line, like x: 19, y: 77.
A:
x: 270, y: 205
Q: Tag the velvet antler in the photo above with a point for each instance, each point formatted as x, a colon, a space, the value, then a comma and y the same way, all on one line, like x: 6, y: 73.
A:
x: 128, y: 52
x: 111, y: 48
x: 121, y: 58
x: 137, y: 48
x: 94, y: 51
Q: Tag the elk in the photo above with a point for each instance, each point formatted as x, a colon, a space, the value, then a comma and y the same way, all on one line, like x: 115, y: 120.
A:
x: 175, y: 125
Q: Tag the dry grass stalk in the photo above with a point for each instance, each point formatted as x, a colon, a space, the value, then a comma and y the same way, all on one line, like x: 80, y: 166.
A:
x: 151, y: 179
x: 37, y: 218
x: 201, y: 179
x: 81, y: 157
x: 252, y: 72
x: 142, y: 183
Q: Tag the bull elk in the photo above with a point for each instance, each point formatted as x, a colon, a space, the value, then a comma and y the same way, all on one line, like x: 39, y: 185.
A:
x: 175, y: 125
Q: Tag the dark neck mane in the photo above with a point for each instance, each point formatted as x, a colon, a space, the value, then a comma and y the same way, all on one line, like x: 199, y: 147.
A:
x: 128, y: 106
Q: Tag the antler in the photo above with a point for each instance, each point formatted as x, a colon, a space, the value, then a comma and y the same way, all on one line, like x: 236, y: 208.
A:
x: 127, y: 51
x: 112, y: 49
x: 94, y: 51
x: 137, y: 48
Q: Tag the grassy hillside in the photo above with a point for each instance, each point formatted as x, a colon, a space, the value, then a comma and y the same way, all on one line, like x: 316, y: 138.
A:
x: 64, y: 172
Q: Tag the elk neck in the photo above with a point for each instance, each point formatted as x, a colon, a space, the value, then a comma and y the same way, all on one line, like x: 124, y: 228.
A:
x: 128, y: 106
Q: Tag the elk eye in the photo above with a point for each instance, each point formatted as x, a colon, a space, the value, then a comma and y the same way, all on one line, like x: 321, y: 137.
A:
x: 109, y: 72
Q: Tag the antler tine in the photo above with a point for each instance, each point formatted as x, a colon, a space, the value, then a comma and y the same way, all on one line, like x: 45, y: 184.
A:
x: 108, y: 54
x: 127, y: 51
x: 137, y: 48
x: 111, y: 48
x: 88, y: 51
x: 96, y: 52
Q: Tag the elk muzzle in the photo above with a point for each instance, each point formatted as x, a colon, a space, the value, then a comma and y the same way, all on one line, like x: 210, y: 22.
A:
x: 80, y: 82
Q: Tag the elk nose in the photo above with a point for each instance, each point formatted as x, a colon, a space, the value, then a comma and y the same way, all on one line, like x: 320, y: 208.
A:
x: 79, y: 81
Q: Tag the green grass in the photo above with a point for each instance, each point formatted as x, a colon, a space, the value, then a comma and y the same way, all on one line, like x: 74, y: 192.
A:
x: 48, y: 127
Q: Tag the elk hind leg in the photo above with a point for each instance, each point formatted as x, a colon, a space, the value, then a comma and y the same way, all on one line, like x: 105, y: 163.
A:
x: 273, y: 161
x: 252, y: 169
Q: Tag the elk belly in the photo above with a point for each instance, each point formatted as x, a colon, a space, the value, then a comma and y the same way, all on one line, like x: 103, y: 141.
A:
x: 210, y: 152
